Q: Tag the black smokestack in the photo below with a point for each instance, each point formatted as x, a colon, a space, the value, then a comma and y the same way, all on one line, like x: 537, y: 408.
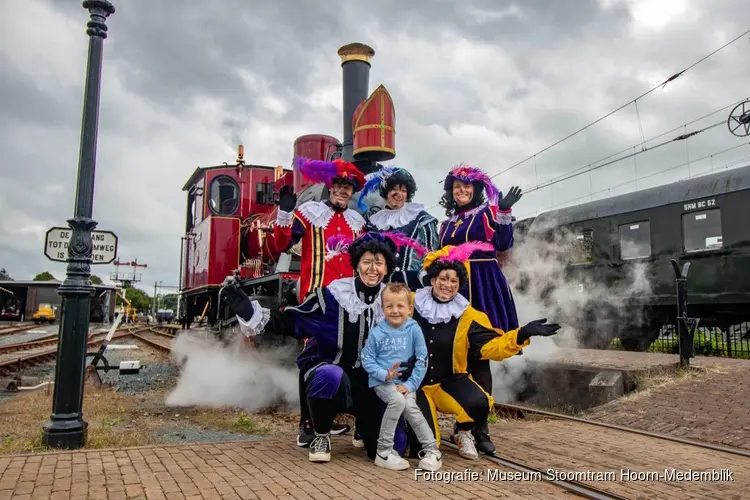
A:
x: 355, y: 63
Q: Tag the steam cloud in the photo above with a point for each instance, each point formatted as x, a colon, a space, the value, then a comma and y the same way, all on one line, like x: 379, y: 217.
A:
x: 218, y: 375
x: 543, y: 286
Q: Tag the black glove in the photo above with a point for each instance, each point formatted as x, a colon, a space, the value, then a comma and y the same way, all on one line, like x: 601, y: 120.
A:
x: 239, y: 302
x: 407, y: 367
x: 536, y: 328
x: 287, y: 199
x: 510, y: 199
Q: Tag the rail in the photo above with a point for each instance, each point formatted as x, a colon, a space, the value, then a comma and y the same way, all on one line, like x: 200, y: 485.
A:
x: 576, y: 487
x: 510, y: 409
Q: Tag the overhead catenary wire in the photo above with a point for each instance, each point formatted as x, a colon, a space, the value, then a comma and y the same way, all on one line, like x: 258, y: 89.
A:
x: 662, y: 85
x: 653, y: 174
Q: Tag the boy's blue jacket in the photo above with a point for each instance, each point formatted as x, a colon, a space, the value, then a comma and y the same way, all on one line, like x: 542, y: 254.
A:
x: 386, y: 345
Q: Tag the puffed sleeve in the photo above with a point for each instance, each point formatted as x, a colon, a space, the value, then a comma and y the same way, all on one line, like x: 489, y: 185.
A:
x: 498, y: 228
x: 489, y: 343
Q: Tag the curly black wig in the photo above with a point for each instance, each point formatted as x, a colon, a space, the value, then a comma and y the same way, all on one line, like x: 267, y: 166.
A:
x: 450, y: 204
x: 400, y: 178
x: 437, y: 266
x: 377, y: 244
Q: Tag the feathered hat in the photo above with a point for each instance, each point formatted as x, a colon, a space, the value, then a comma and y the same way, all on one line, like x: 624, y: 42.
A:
x: 456, y: 255
x: 329, y: 171
x: 380, y: 180
x: 340, y: 243
x: 473, y: 175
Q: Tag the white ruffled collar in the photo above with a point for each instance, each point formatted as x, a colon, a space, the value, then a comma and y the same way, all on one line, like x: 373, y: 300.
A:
x: 438, y: 312
x: 319, y: 213
x: 389, y: 218
x: 344, y: 290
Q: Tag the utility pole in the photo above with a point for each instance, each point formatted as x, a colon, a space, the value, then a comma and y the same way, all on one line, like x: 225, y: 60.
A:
x: 66, y: 428
x: 153, y: 307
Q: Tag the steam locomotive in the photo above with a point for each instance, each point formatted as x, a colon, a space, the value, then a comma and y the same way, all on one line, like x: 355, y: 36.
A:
x: 231, y: 209
x: 615, y: 254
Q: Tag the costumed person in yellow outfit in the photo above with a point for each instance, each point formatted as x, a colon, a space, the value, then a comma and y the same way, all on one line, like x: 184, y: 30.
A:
x: 454, y: 331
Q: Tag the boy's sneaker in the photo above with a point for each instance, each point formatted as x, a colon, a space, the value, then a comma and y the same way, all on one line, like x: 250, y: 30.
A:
x: 320, y: 448
x: 391, y: 461
x: 465, y: 442
x: 431, y: 460
x: 305, y: 435
x: 357, y: 440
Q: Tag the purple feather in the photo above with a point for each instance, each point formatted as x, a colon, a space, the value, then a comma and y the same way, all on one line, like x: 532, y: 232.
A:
x: 315, y: 171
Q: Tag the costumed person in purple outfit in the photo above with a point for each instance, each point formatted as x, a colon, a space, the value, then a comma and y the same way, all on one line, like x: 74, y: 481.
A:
x: 337, y: 319
x: 474, y: 218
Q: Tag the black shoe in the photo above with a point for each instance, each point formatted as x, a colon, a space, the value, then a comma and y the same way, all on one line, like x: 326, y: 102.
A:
x: 306, y: 435
x: 338, y: 429
x: 483, y: 443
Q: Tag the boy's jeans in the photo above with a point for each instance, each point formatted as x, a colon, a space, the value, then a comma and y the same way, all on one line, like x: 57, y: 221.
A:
x: 398, y: 404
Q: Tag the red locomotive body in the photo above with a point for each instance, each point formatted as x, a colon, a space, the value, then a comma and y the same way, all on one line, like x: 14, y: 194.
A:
x: 231, y: 208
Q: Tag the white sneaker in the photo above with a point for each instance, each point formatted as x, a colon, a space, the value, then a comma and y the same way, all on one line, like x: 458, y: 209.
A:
x: 431, y: 460
x: 320, y: 448
x: 466, y: 448
x: 357, y: 441
x: 393, y: 461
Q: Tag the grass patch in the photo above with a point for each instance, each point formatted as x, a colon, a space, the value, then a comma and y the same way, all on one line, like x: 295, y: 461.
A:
x: 106, y: 411
x: 232, y: 420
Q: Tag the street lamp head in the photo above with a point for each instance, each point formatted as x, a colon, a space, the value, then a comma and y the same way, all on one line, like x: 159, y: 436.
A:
x: 103, y: 5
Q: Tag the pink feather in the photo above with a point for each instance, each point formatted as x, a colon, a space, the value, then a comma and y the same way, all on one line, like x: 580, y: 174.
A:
x: 462, y: 252
x: 400, y: 240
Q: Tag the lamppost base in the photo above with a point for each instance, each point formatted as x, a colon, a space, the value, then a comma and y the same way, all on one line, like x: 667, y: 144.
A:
x: 69, y: 435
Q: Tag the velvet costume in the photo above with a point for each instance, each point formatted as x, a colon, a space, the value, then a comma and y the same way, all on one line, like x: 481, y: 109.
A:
x: 454, y: 331
x: 337, y: 319
x: 313, y: 223
x: 412, y: 221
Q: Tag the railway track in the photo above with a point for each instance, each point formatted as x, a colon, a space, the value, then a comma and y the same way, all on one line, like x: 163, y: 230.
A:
x: 15, y: 329
x: 575, y: 487
x: 15, y: 357
x: 520, y: 412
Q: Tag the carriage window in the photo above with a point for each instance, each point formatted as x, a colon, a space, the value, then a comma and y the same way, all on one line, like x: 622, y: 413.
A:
x: 635, y: 240
x: 582, y: 251
x: 701, y: 231
x: 224, y: 196
x: 264, y: 193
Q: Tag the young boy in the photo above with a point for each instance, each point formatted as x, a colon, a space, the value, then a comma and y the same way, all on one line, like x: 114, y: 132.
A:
x: 391, y: 342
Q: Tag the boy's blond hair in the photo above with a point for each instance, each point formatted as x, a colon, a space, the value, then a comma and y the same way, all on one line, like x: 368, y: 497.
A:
x: 399, y: 288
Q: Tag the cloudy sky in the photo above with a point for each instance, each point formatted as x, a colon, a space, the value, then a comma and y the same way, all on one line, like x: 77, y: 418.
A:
x: 481, y: 81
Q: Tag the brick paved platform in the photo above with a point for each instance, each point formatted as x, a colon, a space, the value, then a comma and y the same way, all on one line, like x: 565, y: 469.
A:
x: 572, y: 446
x: 635, y: 361
x: 715, y: 407
x: 278, y: 469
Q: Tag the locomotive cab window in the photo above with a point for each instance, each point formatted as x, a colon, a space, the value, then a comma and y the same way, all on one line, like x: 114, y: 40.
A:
x: 635, y: 240
x: 582, y: 248
x: 224, y: 196
x: 264, y: 193
x: 701, y: 231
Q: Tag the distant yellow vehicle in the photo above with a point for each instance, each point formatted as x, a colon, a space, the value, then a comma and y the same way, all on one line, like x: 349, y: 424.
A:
x: 45, y: 313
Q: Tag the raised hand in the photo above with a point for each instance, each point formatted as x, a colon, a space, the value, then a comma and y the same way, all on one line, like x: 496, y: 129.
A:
x: 510, y: 199
x: 538, y: 327
x: 239, y: 302
x: 393, y: 372
x: 287, y: 199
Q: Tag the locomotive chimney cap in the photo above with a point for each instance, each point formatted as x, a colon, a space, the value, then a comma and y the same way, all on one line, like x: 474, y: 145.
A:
x: 356, y: 52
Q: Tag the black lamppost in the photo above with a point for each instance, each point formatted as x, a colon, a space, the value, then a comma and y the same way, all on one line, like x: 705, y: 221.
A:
x: 67, y: 429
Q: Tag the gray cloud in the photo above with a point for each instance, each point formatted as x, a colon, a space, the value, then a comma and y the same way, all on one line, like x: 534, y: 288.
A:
x: 485, y: 82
